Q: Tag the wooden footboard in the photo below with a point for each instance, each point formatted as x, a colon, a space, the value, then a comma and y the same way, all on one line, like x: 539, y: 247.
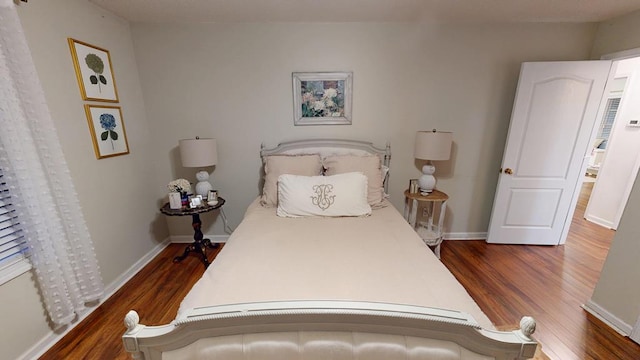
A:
x: 317, y: 329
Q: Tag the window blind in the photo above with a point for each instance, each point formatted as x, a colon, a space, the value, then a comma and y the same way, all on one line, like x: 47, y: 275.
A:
x: 608, y: 118
x: 13, y: 249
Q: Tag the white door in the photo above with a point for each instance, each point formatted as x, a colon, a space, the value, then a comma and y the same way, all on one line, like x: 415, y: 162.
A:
x: 553, y: 116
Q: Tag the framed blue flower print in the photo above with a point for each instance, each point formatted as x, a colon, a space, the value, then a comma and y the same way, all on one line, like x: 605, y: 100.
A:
x: 322, y: 98
x: 107, y: 130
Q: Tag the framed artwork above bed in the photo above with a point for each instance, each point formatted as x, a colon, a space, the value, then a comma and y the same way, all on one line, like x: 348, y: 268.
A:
x: 322, y: 98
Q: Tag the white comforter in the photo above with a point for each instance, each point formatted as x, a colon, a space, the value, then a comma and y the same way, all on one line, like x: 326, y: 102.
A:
x: 377, y: 258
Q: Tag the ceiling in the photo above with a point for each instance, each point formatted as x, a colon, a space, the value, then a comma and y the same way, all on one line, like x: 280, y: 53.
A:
x: 451, y: 11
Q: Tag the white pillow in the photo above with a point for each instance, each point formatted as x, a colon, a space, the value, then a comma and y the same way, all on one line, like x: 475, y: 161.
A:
x: 337, y: 195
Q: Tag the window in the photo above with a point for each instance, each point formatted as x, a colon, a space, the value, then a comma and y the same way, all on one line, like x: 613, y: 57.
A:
x: 13, y: 249
x: 607, y: 121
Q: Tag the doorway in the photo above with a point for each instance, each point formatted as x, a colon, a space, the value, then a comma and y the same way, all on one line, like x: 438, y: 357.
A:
x: 615, y: 156
x: 552, y: 121
x: 529, y: 206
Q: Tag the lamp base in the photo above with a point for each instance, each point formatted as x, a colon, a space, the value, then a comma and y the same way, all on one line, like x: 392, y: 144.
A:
x: 203, y: 186
x: 427, y: 182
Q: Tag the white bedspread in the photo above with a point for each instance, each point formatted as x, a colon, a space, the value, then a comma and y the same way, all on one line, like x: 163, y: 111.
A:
x: 377, y: 258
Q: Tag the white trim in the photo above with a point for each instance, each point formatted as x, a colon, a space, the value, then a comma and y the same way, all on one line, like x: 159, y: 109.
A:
x: 188, y: 239
x: 627, y: 192
x: 608, y: 318
x: 599, y: 221
x: 12, y: 271
x: 635, y: 332
x: 466, y: 236
x: 620, y: 55
x: 53, y: 337
x: 134, y: 269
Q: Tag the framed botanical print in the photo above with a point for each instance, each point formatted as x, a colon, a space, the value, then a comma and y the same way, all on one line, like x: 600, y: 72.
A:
x: 93, y: 71
x: 107, y: 130
x: 322, y: 98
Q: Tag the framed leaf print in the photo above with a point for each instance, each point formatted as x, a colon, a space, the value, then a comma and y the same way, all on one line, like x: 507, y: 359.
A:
x: 94, y: 72
x: 107, y: 130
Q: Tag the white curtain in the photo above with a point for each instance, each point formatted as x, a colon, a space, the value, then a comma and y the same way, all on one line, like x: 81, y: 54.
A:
x: 62, y: 253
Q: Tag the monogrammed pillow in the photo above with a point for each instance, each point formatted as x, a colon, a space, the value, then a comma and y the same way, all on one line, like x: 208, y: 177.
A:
x: 337, y: 195
x: 276, y: 165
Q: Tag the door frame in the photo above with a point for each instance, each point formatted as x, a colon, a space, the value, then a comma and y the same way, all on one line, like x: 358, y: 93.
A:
x: 615, y: 323
x: 585, y: 158
x: 615, y: 57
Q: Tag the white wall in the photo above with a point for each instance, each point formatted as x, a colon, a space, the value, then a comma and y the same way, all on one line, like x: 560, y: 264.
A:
x: 620, y: 164
x: 615, y: 293
x: 616, y: 35
x: 118, y: 202
x: 233, y: 82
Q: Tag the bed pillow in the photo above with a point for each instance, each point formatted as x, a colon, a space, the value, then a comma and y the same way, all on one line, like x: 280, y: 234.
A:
x: 331, y: 196
x: 276, y: 165
x: 369, y: 165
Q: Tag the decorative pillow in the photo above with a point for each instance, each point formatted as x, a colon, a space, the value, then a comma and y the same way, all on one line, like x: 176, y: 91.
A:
x: 276, y: 165
x: 337, y: 195
x: 369, y: 165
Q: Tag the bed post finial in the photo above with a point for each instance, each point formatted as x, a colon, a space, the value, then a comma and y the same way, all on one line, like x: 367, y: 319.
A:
x: 131, y: 320
x: 527, y: 326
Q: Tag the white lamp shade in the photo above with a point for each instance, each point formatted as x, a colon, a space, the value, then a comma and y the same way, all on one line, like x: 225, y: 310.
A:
x: 198, y: 152
x: 432, y: 145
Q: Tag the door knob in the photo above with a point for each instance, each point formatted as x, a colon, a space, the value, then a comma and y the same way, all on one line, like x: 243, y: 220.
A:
x: 508, y: 171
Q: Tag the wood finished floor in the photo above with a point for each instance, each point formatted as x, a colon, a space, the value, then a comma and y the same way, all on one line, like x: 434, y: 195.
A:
x: 547, y: 282
x: 155, y: 293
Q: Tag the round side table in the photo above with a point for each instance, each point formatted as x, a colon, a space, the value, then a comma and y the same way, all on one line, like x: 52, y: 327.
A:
x: 425, y: 213
x: 199, y: 244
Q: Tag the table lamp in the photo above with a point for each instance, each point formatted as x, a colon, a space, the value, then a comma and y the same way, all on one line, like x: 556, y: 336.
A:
x: 199, y: 153
x: 431, y: 145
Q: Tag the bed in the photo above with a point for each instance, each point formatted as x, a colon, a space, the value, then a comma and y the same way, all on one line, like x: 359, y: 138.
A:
x: 322, y: 277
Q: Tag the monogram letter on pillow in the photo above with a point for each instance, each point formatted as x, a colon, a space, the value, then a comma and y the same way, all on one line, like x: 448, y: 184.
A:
x: 331, y: 196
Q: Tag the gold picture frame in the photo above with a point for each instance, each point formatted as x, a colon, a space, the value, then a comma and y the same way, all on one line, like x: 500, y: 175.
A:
x: 93, y: 71
x: 107, y: 130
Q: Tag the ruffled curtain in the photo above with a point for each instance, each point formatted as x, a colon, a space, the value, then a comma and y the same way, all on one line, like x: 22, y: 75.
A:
x: 62, y: 253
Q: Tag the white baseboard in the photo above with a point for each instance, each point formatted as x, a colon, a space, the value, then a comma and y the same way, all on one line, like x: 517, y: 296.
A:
x: 466, y: 236
x: 608, y: 318
x: 135, y: 268
x: 54, y: 336
x: 599, y: 221
x: 187, y: 239
x: 635, y: 332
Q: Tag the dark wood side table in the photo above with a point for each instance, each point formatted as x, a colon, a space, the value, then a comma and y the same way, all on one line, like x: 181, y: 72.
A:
x: 199, y: 244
